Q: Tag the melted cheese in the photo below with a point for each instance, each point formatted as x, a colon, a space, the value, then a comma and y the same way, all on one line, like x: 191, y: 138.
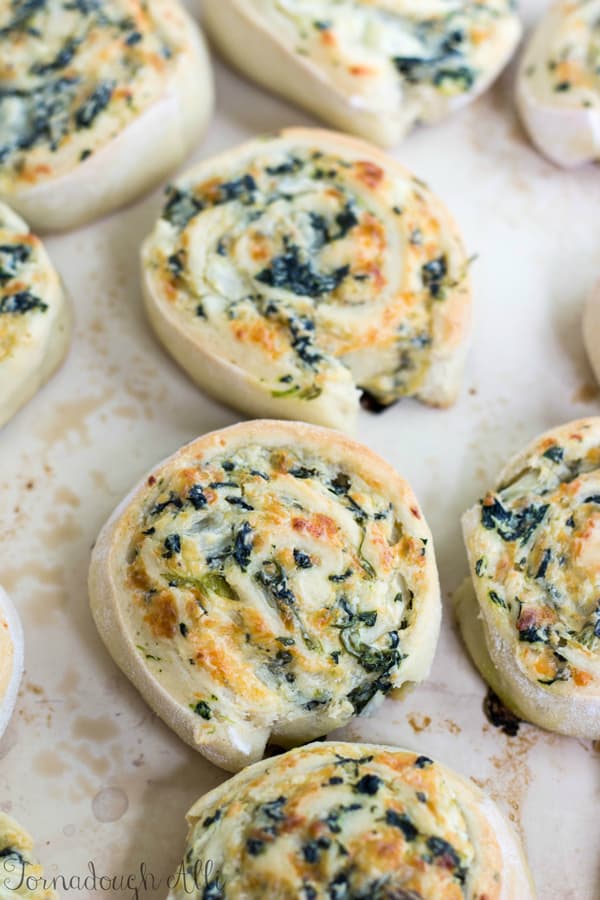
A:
x: 310, y: 269
x: 536, y: 558
x: 336, y: 820
x: 264, y: 584
x: 20, y: 875
x: 404, y: 59
x: 73, y: 75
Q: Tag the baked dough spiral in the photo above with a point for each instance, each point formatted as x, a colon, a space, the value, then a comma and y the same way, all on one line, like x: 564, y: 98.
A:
x: 339, y: 820
x: 99, y: 99
x: 290, y: 271
x: 375, y: 68
x: 35, y: 318
x: 532, y: 619
x: 558, y: 87
x: 267, y: 583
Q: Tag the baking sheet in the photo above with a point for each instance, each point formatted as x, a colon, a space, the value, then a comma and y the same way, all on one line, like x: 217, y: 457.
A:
x: 85, y: 765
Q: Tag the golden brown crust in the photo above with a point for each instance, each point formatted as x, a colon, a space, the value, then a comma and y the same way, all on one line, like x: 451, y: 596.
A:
x: 534, y: 551
x: 130, y: 89
x: 292, y: 270
x: 270, y: 579
x: 370, y: 820
x: 339, y: 64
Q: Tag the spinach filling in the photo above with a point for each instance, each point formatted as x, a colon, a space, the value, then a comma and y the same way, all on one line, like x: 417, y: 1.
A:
x: 55, y: 104
x: 291, y: 273
x: 512, y: 526
x: 24, y: 10
x: 21, y: 303
x: 12, y: 258
x: 446, y: 64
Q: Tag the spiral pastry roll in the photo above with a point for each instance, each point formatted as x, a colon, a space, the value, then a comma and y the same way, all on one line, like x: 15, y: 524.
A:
x: 558, y: 88
x: 99, y: 99
x: 20, y: 875
x: 11, y: 658
x: 532, y: 623
x: 591, y: 330
x: 350, y: 820
x: 375, y: 68
x: 287, y: 273
x: 35, y: 320
x: 267, y: 582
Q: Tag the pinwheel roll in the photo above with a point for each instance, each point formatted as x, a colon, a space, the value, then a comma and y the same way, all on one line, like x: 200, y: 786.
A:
x: 532, y: 622
x: 35, y: 321
x: 591, y: 330
x: 20, y: 874
x: 99, y: 99
x: 11, y: 658
x: 375, y: 68
x: 288, y: 273
x: 267, y: 583
x: 350, y: 820
x: 558, y: 88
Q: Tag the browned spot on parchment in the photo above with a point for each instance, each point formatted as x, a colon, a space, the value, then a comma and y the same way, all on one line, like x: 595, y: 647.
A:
x: 586, y: 393
x: 102, y: 728
x: 418, y: 722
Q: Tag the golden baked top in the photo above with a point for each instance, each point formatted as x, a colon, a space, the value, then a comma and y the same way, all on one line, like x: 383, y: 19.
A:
x: 376, y: 50
x: 313, y: 262
x: 75, y: 73
x: 338, y: 820
x: 535, y: 556
x: 281, y: 581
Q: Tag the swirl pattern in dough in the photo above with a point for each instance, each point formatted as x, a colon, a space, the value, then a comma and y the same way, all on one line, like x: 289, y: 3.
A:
x: 374, y: 68
x: 267, y: 582
x: 98, y: 100
x: 534, y: 552
x: 339, y: 820
x: 287, y: 273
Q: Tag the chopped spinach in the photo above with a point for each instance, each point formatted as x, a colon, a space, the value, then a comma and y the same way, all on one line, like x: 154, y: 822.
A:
x: 173, y: 500
x: 288, y: 272
x: 12, y: 257
x: 302, y: 560
x: 433, y: 274
x: 202, y: 709
x: 242, y: 547
x: 556, y: 454
x: 543, y: 568
x: 181, y: 207
x: 20, y: 303
x: 512, y: 526
x: 402, y: 821
x: 197, y: 497
x: 96, y: 103
x: 368, y: 784
x: 172, y: 545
